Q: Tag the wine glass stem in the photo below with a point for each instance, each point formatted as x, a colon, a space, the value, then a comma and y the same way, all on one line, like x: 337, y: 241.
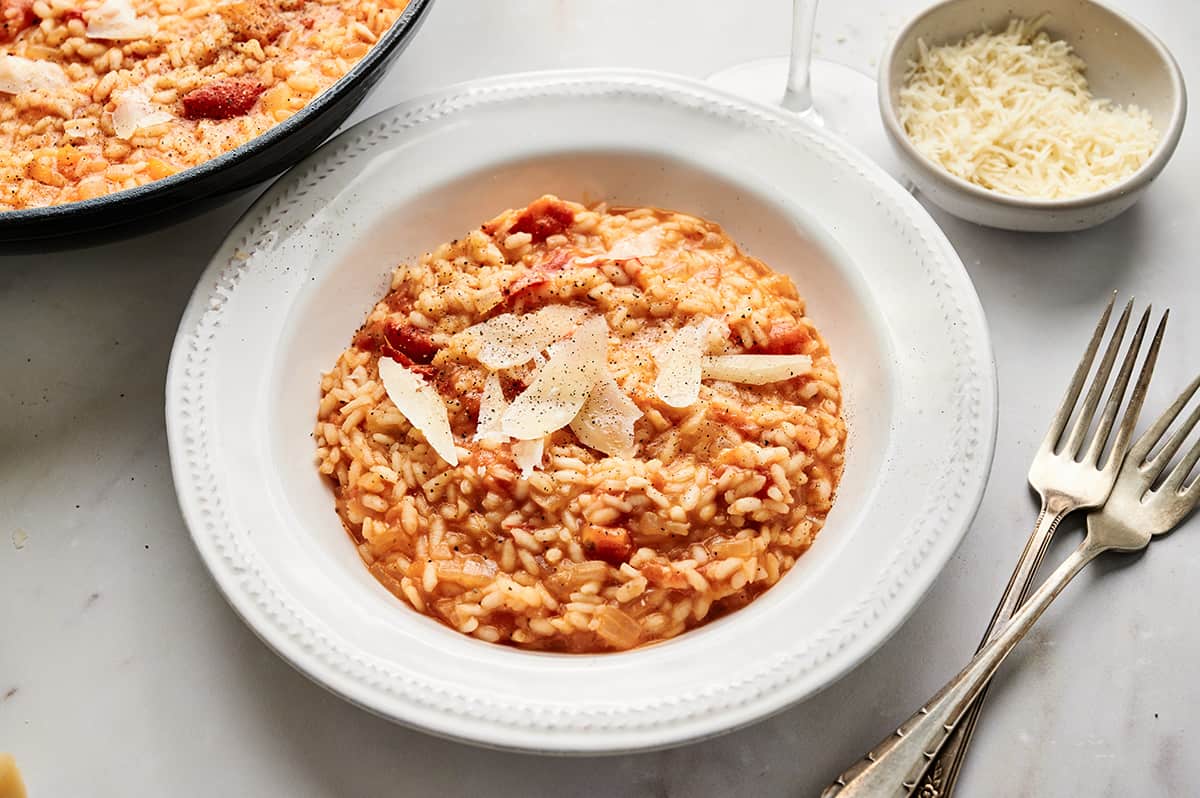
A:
x: 798, y: 96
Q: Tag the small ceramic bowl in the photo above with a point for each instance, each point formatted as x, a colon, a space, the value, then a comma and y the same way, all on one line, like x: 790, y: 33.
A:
x: 1126, y: 63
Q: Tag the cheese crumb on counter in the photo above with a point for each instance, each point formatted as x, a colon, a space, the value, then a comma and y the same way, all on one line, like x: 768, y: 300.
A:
x: 1012, y: 112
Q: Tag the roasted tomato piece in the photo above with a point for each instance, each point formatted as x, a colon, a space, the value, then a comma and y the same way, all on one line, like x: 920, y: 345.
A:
x: 543, y: 218
x: 416, y: 344
x: 221, y: 99
x: 15, y: 16
x: 607, y: 543
x: 368, y: 338
x: 783, y: 338
x: 537, y: 276
x: 786, y: 339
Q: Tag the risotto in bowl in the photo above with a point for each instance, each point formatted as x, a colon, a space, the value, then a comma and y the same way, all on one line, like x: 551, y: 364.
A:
x: 583, y: 429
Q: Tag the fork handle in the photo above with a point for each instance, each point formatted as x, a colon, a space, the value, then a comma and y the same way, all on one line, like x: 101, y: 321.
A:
x: 942, y: 775
x: 894, y: 767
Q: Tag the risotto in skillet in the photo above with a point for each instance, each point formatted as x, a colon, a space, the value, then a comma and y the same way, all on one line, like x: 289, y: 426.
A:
x: 97, y: 96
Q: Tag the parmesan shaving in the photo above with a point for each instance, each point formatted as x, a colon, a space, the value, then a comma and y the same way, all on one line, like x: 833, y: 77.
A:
x: 421, y: 404
x: 1012, y: 112
x: 509, y: 340
x: 134, y: 111
x: 491, y: 409
x: 605, y: 422
x: 528, y: 455
x: 116, y: 20
x: 679, y: 364
x: 755, y: 369
x: 645, y: 244
x: 561, y: 386
x: 19, y: 74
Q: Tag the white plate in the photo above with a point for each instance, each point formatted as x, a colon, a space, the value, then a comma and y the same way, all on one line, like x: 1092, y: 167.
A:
x: 298, y: 273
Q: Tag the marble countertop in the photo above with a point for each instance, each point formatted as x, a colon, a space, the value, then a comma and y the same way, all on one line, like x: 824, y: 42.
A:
x: 124, y: 673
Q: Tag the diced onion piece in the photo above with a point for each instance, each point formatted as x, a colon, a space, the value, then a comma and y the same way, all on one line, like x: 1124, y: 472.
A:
x: 617, y: 627
x: 134, y: 111
x: 645, y: 244
x: 509, y: 340
x: 755, y: 369
x: 605, y: 422
x: 421, y: 404
x: 19, y: 74
x: 560, y: 388
x: 491, y: 409
x: 116, y: 20
x: 528, y: 455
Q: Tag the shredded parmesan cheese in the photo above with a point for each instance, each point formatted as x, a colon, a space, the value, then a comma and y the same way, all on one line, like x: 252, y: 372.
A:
x: 1012, y: 112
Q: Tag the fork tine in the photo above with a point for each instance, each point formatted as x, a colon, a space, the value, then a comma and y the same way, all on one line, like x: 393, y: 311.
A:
x: 1129, y: 421
x: 1090, y: 402
x: 1117, y: 394
x: 1172, y: 445
x: 1050, y: 443
x: 1138, y: 454
x: 1174, y: 481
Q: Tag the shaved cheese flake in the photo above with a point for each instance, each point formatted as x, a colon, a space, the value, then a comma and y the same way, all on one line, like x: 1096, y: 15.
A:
x: 645, y: 244
x: 421, y: 404
x: 134, y: 111
x: 116, y: 20
x: 528, y: 455
x: 755, y: 369
x: 679, y: 370
x: 19, y: 74
x: 561, y: 386
x: 1012, y: 112
x: 491, y: 409
x: 509, y: 340
x: 605, y: 422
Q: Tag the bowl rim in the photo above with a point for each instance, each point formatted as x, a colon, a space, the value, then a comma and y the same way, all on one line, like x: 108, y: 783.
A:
x: 397, y: 34
x: 1162, y: 153
x: 588, y: 728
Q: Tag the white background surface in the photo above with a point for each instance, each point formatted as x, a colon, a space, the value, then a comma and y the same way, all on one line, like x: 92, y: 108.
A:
x: 124, y: 673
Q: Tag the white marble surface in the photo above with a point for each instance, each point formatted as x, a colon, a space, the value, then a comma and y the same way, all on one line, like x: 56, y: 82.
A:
x: 124, y: 673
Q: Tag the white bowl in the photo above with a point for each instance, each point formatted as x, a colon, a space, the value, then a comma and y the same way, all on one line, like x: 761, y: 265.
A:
x: 1126, y: 63
x: 297, y: 275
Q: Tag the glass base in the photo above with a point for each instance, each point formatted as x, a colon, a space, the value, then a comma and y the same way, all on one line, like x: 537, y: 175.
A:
x: 844, y: 99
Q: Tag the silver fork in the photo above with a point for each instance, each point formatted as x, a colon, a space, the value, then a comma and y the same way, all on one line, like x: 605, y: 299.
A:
x: 1065, y: 483
x: 1135, y: 513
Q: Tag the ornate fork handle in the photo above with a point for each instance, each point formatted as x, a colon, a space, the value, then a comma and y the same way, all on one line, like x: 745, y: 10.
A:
x: 940, y: 777
x: 894, y: 767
